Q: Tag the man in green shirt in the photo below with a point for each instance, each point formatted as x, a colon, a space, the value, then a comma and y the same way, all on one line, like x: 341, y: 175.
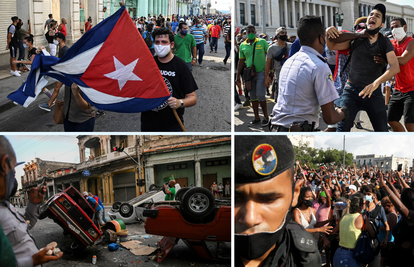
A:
x: 258, y: 92
x: 170, y: 192
x: 185, y: 46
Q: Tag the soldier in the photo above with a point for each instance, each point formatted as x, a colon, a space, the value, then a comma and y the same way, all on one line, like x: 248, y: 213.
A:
x: 265, y: 233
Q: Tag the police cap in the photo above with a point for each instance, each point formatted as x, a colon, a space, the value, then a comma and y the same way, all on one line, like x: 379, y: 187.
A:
x: 259, y: 158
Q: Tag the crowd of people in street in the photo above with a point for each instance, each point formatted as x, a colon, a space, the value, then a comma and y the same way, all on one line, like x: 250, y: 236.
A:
x: 173, y: 42
x: 328, y: 74
x: 291, y: 213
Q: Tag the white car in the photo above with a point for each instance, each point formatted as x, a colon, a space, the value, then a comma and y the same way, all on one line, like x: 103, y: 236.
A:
x: 131, y: 211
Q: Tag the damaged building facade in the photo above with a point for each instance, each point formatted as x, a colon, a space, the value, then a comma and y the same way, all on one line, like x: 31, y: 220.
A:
x: 145, y: 160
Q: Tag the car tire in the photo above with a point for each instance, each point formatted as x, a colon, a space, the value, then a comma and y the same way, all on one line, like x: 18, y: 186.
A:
x: 116, y: 205
x: 180, y: 193
x: 44, y: 211
x: 153, y: 187
x: 126, y: 210
x: 197, y: 202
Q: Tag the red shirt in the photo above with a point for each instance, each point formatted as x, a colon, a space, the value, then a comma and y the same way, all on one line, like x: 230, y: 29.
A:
x: 215, y: 31
x: 404, y: 81
x: 88, y: 26
x: 63, y: 30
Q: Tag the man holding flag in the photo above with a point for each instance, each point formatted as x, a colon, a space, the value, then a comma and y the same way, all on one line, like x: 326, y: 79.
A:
x: 180, y: 83
x: 111, y: 75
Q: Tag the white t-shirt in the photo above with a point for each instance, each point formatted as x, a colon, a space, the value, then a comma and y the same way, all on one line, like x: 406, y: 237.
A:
x: 189, y: 22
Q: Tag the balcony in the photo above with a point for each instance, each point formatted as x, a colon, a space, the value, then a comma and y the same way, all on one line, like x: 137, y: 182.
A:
x: 107, y: 158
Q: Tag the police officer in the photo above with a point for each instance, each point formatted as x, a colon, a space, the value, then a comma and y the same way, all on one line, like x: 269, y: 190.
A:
x: 265, y: 233
x: 306, y: 84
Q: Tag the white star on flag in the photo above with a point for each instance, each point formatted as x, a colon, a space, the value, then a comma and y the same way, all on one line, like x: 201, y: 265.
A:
x: 123, y: 73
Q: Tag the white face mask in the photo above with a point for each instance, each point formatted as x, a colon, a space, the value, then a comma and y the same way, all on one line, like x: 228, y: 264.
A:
x: 398, y: 33
x: 244, y: 36
x: 162, y: 50
x: 55, y: 42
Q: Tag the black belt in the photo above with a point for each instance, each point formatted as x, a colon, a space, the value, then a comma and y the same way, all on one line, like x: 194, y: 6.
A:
x: 294, y: 127
x: 349, y: 249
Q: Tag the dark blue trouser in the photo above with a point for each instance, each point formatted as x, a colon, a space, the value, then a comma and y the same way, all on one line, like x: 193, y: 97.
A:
x: 200, y: 49
x: 86, y: 126
x: 214, y: 43
x: 374, y: 106
x: 228, y: 49
x: 22, y: 52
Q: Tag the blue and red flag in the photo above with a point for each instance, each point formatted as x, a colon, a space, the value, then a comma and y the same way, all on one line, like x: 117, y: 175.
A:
x: 111, y: 64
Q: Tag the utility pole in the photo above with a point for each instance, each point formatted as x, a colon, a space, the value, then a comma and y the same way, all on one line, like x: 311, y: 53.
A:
x: 344, y: 153
x: 263, y: 17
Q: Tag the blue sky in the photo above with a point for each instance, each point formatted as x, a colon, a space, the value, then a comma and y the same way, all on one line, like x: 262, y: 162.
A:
x: 63, y: 148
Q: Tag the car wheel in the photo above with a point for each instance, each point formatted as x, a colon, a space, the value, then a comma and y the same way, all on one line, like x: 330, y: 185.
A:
x: 44, y: 211
x: 126, y: 210
x: 116, y: 205
x: 181, y: 192
x: 153, y: 187
x: 198, y: 201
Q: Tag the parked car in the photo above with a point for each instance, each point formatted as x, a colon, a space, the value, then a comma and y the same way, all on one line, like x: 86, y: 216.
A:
x: 202, y: 222
x: 73, y: 213
x: 132, y: 211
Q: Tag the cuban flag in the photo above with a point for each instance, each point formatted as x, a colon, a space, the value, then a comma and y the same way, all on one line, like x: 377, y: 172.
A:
x: 111, y: 64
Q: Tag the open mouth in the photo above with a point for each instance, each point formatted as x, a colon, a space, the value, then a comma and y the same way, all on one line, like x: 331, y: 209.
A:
x: 371, y: 23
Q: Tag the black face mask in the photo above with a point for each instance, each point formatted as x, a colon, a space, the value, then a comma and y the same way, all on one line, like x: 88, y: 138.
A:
x: 254, y: 246
x: 340, y: 213
x: 283, y: 38
x: 374, y: 31
x: 308, y: 202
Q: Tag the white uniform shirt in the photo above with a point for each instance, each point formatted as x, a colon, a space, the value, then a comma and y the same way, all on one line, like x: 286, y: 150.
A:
x: 305, y: 84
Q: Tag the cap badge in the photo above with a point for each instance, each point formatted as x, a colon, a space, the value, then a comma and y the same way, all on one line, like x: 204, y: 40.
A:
x: 264, y: 159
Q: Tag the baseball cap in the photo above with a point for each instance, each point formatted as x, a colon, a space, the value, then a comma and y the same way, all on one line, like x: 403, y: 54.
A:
x: 60, y: 35
x: 181, y: 20
x: 280, y: 29
x: 353, y: 187
x: 85, y: 193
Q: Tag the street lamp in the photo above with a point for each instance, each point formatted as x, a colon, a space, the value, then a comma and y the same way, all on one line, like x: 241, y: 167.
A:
x: 339, y: 19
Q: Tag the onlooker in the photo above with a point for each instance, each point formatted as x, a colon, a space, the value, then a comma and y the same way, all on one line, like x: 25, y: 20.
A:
x: 12, y: 45
x: 215, y: 32
x: 62, y: 27
x: 200, y: 36
x: 21, y: 34
x: 47, y: 23
x: 88, y: 24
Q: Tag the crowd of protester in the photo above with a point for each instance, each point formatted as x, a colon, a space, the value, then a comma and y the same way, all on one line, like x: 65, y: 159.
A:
x: 336, y: 204
x: 379, y: 79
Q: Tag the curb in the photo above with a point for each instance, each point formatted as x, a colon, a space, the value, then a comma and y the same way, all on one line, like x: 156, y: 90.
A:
x: 9, y: 104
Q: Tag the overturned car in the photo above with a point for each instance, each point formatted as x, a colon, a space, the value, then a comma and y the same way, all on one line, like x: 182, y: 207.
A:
x: 74, y: 214
x: 202, y: 222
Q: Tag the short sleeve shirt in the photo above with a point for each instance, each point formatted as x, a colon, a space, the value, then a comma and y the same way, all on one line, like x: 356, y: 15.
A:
x: 305, y: 84
x: 48, y: 22
x: 363, y: 69
x: 183, y: 46
x: 246, y: 52
x: 198, y: 34
x: 170, y: 196
x: 215, y: 31
x: 273, y: 50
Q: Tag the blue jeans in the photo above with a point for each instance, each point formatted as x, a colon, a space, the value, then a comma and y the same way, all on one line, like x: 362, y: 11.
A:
x: 189, y: 66
x: 200, y: 49
x: 344, y: 258
x: 22, y: 52
x: 228, y: 48
x: 374, y: 106
x: 214, y: 43
x: 86, y: 126
x: 236, y: 96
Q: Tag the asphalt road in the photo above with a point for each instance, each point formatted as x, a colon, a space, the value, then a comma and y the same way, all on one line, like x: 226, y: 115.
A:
x: 245, y: 115
x: 212, y: 113
x: 46, y: 231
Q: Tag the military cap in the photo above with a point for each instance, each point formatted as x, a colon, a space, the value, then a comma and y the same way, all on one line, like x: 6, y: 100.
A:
x: 259, y: 158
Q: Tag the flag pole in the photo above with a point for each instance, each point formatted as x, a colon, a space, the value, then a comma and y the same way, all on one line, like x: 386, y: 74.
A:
x: 179, y: 120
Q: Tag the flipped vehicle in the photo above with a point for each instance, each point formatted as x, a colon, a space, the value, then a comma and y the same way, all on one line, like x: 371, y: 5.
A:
x: 132, y: 211
x: 203, y: 223
x: 73, y: 213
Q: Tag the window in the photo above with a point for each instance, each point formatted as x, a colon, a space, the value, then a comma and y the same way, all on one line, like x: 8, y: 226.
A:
x: 242, y: 14
x: 253, y: 14
x: 177, y: 166
x: 291, y: 20
x: 216, y: 163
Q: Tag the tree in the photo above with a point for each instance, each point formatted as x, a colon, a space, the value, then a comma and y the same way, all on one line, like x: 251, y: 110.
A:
x: 318, y: 157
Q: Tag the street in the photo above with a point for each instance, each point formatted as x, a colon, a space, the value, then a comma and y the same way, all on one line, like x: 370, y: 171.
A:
x: 245, y: 115
x: 46, y: 231
x: 212, y: 113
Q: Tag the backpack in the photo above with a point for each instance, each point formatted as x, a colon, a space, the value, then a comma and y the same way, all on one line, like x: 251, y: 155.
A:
x: 382, y: 44
x: 375, y: 242
x: 147, y: 39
